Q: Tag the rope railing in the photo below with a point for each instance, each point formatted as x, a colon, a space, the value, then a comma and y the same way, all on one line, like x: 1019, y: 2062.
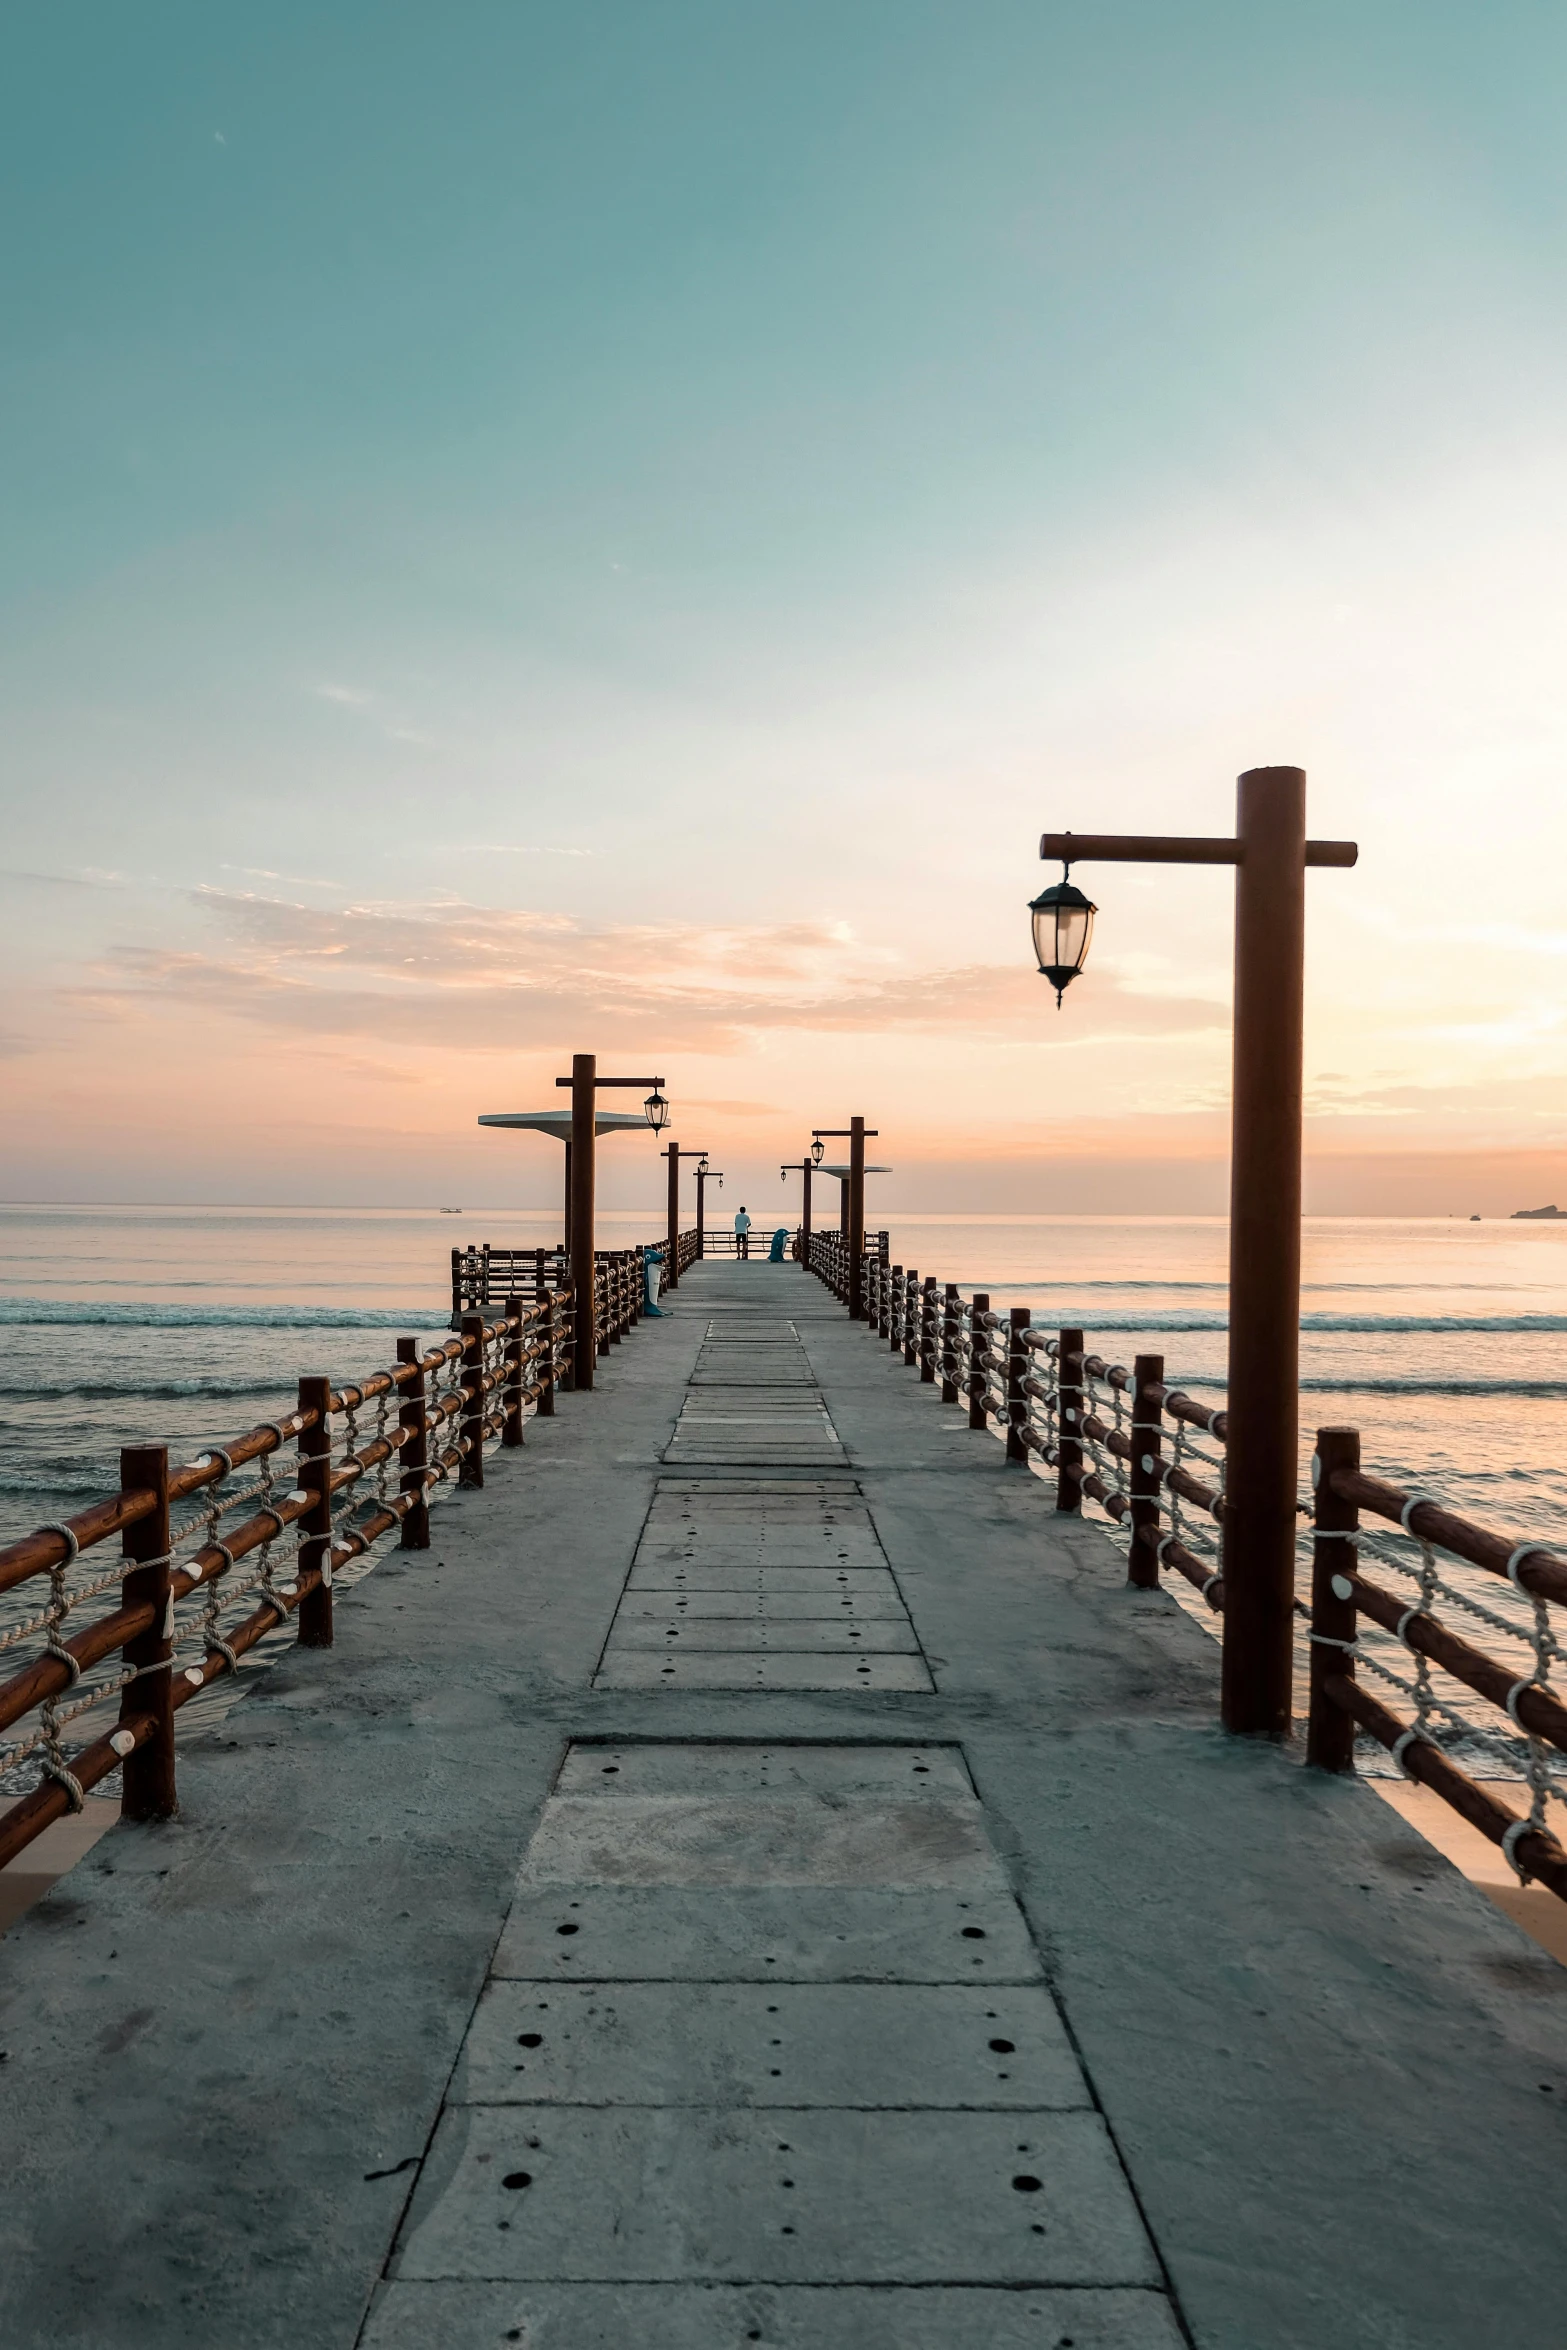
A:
x: 482, y: 1275
x: 194, y: 1590
x: 1523, y: 1737
x: 1153, y: 1459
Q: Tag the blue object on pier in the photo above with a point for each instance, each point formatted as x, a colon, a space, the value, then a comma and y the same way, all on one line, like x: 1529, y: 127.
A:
x: 651, y: 1259
x: 776, y: 1253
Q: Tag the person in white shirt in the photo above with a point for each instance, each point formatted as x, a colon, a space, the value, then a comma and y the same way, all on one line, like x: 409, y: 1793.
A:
x: 742, y: 1234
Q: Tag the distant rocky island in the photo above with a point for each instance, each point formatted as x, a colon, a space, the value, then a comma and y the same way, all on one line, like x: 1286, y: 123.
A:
x: 1535, y: 1215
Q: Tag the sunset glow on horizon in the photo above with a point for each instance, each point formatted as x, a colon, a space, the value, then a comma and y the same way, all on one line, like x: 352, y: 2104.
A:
x: 619, y: 536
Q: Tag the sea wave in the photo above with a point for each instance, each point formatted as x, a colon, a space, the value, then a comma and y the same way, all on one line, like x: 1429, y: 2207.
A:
x: 90, y: 1484
x: 137, y: 1390
x: 1363, y: 1325
x: 1351, y: 1385
x: 67, y: 1314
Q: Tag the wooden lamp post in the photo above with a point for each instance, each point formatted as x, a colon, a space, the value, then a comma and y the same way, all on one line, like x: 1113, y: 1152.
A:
x: 673, y: 1153
x: 854, y: 1221
x: 805, y: 1169
x: 704, y: 1175
x: 1270, y: 853
x: 586, y: 1084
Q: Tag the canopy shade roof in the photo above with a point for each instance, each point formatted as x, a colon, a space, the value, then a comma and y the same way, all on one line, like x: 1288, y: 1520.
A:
x: 845, y: 1170
x: 558, y: 1122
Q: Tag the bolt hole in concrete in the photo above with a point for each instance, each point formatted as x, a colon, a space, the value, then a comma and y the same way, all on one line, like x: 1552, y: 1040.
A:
x: 1001, y: 2047
x: 1025, y: 2183
x: 973, y: 1933
x: 566, y: 1929
x: 536, y: 2040
x: 524, y: 2178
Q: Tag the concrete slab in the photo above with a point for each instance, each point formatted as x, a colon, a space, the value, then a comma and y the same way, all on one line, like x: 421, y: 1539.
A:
x: 817, y: 1632
x: 799, y: 2317
x: 779, y: 1492
x: 863, y: 1585
x: 646, y: 1669
x: 775, y: 1840
x: 674, y: 1767
x: 768, y: 2044
x: 734, y: 1448
x: 672, y: 2194
x: 1272, y: 1980
x: 760, y: 1599
x: 761, y: 1934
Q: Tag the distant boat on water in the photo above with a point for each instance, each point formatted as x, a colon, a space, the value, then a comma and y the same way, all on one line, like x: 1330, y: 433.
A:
x: 458, y: 1211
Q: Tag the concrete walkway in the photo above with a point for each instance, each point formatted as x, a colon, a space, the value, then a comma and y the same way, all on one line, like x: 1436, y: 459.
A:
x: 763, y: 1877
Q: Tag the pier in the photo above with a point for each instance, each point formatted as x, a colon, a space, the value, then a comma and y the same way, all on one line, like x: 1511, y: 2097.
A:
x: 765, y: 1875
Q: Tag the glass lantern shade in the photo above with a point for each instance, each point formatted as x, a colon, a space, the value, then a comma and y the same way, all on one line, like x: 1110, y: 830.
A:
x: 818, y: 1151
x: 656, y: 1111
x: 1063, y: 922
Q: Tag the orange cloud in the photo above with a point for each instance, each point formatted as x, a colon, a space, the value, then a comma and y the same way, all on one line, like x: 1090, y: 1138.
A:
x: 484, y: 978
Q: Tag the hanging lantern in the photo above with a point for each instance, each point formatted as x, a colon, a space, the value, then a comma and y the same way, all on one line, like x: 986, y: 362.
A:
x: 818, y: 1151
x: 656, y: 1110
x: 1063, y: 922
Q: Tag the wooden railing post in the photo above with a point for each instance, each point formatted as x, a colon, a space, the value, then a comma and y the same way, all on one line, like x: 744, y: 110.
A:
x: 148, y: 1781
x: 1330, y: 1731
x: 893, y: 1329
x: 415, y: 1453
x: 1017, y: 1371
x: 978, y: 1363
x: 511, y: 1430
x: 911, y: 1326
x: 545, y: 1329
x: 315, y: 1527
x: 951, y: 1309
x: 1069, y: 1444
x: 928, y: 1331
x: 1142, y: 1558
x: 471, y: 1423
x: 456, y: 1286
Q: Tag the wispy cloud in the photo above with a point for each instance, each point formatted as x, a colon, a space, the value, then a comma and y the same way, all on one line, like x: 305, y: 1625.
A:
x: 479, y: 977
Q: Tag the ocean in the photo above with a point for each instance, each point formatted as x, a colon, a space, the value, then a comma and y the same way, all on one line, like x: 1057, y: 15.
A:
x: 1442, y: 1341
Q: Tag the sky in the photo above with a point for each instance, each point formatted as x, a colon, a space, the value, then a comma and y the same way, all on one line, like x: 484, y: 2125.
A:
x: 616, y: 528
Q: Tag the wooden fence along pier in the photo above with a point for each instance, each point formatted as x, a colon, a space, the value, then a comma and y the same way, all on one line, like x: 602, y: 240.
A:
x: 1153, y: 1459
x: 758, y: 1869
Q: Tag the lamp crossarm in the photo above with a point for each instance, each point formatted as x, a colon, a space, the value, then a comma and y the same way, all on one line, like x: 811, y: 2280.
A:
x: 829, y: 1133
x: 657, y: 1083
x: 1152, y: 848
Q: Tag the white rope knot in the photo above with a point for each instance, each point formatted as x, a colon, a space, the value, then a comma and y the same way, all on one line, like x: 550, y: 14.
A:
x: 1406, y: 1738
x: 56, y: 1648
x: 1529, y: 1681
x: 72, y: 1546
x: 55, y: 1769
x: 1331, y: 1640
x: 1414, y: 1501
x: 215, y: 1452
x: 1509, y: 1852
x: 1525, y: 1550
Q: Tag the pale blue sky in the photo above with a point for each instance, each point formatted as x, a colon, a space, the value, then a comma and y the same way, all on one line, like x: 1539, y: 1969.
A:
x: 739, y: 466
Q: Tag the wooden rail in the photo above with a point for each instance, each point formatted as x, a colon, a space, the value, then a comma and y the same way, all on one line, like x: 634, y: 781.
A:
x: 482, y: 1275
x: 175, y: 1587
x: 1153, y: 1459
